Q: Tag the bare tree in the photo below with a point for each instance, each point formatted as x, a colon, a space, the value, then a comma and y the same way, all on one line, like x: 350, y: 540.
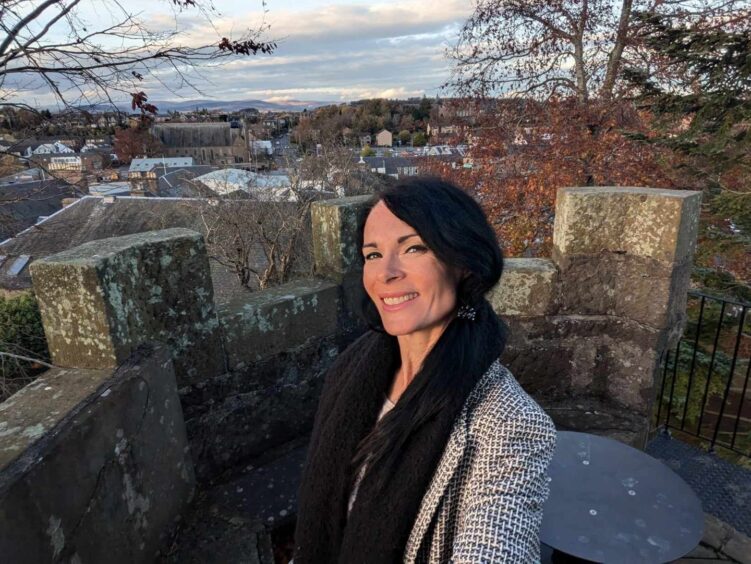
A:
x: 257, y: 230
x: 48, y: 45
x: 334, y: 170
x: 561, y: 47
x: 261, y: 242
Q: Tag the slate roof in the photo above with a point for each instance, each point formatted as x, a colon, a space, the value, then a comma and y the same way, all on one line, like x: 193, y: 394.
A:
x: 390, y: 164
x: 145, y: 165
x: 91, y: 218
x: 228, y: 180
x: 23, y: 203
x: 204, y: 134
x: 179, y: 182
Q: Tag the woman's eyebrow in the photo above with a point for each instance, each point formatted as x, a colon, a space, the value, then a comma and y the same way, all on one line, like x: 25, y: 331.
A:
x: 400, y: 240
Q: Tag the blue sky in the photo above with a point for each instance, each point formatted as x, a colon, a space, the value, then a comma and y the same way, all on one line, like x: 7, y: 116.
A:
x: 328, y: 51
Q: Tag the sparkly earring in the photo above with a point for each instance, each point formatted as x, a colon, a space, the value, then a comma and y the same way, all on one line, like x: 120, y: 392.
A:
x: 466, y: 312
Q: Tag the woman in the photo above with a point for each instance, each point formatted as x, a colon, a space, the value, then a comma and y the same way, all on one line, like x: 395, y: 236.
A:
x: 424, y: 447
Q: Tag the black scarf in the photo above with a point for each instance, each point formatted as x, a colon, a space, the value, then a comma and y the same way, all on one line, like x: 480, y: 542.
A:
x: 378, y: 527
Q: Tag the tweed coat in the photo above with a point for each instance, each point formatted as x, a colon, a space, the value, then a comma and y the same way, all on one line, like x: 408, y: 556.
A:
x: 484, y: 502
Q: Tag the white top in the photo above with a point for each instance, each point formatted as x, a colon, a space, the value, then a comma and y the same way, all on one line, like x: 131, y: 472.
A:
x: 388, y: 405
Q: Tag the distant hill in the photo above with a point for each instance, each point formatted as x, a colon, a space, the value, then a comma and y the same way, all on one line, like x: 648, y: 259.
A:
x: 228, y: 105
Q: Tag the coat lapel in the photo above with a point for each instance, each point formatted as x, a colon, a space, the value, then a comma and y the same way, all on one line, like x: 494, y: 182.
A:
x: 450, y: 459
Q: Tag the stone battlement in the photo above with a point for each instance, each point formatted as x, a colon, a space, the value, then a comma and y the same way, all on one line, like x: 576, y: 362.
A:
x: 157, y: 386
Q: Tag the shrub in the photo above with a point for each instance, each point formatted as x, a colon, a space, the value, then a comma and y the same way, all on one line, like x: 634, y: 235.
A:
x: 21, y: 334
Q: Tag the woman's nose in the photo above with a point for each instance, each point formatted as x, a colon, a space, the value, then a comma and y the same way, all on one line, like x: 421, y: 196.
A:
x: 390, y: 269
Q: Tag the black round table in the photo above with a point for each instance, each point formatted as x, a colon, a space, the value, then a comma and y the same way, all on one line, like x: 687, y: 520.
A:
x: 612, y: 503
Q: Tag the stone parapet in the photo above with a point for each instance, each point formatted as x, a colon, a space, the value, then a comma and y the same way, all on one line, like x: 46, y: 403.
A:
x: 643, y: 222
x: 263, y: 324
x: 101, y: 300
x: 334, y: 224
x: 526, y: 288
x: 94, y: 464
x: 589, y: 326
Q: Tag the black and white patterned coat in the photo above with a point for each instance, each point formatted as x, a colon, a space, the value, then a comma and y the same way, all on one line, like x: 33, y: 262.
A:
x: 484, y: 502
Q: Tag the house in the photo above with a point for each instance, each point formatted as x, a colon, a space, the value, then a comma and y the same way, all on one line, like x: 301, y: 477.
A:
x: 24, y: 202
x: 143, y: 173
x: 50, y: 148
x: 436, y: 131
x: 395, y: 167
x: 365, y: 140
x: 209, y: 143
x: 384, y: 138
x: 68, y: 162
x: 180, y: 182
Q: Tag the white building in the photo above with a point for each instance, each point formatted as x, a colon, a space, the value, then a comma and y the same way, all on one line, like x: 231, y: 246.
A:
x: 261, y: 147
x: 262, y: 186
x: 49, y: 148
x: 146, y: 165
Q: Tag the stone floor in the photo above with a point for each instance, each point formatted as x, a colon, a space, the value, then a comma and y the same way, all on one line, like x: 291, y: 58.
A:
x: 234, y: 522
x: 723, y: 488
x: 725, y: 493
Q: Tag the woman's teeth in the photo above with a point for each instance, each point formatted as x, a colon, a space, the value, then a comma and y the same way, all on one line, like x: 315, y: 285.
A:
x: 399, y: 300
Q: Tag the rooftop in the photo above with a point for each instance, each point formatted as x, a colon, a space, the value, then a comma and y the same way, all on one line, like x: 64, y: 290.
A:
x: 145, y: 165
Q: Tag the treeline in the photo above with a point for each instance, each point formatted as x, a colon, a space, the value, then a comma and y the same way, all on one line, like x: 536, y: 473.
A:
x: 346, y: 123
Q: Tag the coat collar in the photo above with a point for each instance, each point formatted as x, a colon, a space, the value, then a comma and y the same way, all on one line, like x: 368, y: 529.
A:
x: 452, y: 456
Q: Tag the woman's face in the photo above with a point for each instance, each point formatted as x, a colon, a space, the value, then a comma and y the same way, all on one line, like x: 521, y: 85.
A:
x: 412, y: 289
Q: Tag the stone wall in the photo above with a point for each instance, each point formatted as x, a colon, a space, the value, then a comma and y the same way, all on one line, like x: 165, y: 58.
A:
x: 588, y: 327
x: 94, y: 464
x: 103, y: 299
x: 589, y: 324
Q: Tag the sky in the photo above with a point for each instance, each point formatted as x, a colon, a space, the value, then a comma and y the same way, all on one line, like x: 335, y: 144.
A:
x: 327, y: 51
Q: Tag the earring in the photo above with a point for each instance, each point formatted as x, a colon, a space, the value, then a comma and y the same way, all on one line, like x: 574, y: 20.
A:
x: 466, y: 312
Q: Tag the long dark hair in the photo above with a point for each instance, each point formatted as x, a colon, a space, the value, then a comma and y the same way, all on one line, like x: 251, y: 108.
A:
x: 452, y: 224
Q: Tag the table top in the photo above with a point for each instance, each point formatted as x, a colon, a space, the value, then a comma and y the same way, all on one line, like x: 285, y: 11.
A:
x: 610, y: 502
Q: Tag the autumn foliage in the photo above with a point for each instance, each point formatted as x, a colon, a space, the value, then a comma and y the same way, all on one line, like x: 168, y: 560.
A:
x: 133, y: 142
x: 523, y: 151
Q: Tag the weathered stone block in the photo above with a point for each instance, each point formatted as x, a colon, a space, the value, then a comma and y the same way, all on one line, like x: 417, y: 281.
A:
x: 95, y: 465
x: 237, y: 417
x: 543, y: 370
x: 600, y: 417
x: 101, y: 300
x: 334, y: 224
x: 263, y: 324
x: 645, y: 222
x: 586, y: 356
x: 526, y: 288
x: 642, y: 289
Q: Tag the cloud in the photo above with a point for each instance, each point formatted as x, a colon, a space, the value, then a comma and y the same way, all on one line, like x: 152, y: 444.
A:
x: 341, y: 22
x: 329, y: 51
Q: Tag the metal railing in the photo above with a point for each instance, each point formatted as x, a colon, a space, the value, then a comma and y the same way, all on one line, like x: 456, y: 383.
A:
x: 705, y: 378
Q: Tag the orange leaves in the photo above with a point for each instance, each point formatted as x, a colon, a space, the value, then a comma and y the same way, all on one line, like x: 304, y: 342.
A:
x: 523, y: 153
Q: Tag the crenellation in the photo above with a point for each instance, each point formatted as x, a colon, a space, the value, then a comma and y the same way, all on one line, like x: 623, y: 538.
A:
x: 587, y: 328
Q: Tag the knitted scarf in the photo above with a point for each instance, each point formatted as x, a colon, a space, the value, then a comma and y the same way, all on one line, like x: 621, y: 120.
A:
x: 378, y: 527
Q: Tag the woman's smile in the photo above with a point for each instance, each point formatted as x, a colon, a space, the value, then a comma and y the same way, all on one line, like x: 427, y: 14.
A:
x: 415, y: 293
x: 395, y: 303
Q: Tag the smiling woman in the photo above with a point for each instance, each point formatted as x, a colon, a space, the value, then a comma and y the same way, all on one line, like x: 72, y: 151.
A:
x: 424, y: 447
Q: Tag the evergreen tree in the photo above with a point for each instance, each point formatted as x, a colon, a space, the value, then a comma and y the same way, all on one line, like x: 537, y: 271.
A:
x: 700, y: 97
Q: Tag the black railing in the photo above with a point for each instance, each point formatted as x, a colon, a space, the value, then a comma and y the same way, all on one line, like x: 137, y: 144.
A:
x: 705, y: 378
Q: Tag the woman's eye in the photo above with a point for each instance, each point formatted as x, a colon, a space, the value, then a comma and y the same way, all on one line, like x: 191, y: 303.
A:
x: 420, y: 248
x: 367, y: 257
